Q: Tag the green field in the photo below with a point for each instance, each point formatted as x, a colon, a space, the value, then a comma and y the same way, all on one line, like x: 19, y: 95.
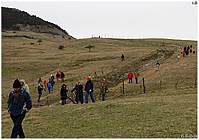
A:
x: 167, y: 109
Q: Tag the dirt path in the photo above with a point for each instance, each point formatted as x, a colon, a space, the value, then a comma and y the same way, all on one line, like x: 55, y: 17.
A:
x: 116, y: 76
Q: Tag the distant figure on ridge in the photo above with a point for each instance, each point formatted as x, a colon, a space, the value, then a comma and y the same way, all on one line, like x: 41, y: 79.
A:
x: 122, y: 57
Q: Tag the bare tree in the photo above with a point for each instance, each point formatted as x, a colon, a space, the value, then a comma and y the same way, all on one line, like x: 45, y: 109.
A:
x: 90, y: 47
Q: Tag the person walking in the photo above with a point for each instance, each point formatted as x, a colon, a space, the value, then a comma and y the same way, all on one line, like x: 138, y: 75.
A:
x: 40, y: 89
x: 62, y: 76
x: 136, y: 74
x: 51, y: 80
x: 63, y: 94
x: 157, y: 66
x: 103, y: 90
x: 19, y: 103
x: 49, y: 87
x: 78, y: 92
x: 122, y: 57
x: 45, y: 84
x: 89, y: 90
x: 130, y: 77
x: 58, y: 75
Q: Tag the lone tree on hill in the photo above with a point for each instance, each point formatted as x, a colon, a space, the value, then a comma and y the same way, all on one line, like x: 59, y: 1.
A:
x: 90, y: 47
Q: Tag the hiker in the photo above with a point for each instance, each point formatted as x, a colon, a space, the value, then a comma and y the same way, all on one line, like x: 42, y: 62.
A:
x: 103, y: 90
x: 78, y: 92
x: 45, y: 84
x: 130, y: 77
x: 122, y: 57
x: 184, y: 51
x: 24, y: 85
x: 63, y: 94
x: 51, y: 80
x: 191, y: 49
x: 40, y: 88
x: 19, y: 102
x: 187, y: 51
x: 89, y: 90
x: 58, y: 75
x: 62, y: 76
x: 136, y: 74
x: 49, y: 87
x: 157, y: 66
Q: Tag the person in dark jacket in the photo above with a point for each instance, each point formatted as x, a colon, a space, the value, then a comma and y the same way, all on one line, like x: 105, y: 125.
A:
x: 78, y: 92
x: 122, y: 57
x: 58, y: 75
x: 89, y: 90
x: 62, y: 76
x: 40, y: 89
x: 64, y: 95
x: 19, y: 102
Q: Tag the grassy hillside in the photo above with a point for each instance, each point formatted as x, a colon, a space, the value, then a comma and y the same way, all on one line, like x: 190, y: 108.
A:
x: 167, y: 109
x: 14, y: 19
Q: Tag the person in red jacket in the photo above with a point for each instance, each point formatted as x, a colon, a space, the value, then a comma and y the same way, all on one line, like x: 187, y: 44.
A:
x: 130, y: 77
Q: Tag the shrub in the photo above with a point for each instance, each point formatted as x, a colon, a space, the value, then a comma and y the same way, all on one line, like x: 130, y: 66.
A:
x: 61, y: 47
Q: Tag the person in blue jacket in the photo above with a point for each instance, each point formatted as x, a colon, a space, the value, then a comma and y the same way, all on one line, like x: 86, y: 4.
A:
x: 19, y: 102
x: 89, y: 90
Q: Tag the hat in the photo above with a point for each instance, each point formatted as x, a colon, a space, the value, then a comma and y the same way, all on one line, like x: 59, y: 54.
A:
x: 89, y: 78
x: 17, y: 84
x: 22, y: 81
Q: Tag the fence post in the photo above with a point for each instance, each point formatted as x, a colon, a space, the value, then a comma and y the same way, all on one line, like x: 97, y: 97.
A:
x: 196, y: 82
x: 47, y: 100
x: 143, y: 85
x: 176, y: 85
x: 123, y: 85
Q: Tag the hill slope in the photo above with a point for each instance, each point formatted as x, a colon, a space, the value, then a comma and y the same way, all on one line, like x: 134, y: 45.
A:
x: 167, y: 109
x: 14, y: 19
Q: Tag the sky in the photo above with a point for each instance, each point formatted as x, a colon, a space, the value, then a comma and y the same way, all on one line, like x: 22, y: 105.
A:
x: 118, y: 19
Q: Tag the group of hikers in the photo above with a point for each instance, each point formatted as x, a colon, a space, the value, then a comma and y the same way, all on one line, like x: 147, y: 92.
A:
x: 185, y: 51
x: 49, y: 84
x: 78, y: 90
x: 20, y: 102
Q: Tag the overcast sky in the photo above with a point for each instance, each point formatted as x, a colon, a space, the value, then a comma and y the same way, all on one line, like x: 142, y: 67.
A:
x: 128, y: 19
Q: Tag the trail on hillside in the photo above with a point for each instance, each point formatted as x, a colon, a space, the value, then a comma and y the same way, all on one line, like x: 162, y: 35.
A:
x: 119, y: 73
x: 116, y: 76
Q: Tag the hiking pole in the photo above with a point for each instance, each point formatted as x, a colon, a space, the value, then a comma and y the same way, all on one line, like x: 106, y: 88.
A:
x: 71, y: 100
